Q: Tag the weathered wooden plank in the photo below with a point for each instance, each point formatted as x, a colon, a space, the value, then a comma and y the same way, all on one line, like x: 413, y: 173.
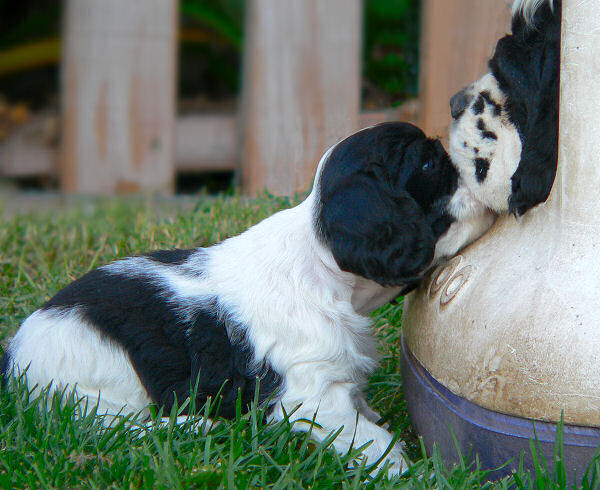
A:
x: 206, y: 143
x: 203, y: 142
x: 457, y: 38
x: 301, y: 88
x: 30, y: 149
x: 118, y: 95
x: 407, y: 112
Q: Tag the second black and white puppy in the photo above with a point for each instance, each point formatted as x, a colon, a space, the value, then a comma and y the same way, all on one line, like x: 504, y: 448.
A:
x: 504, y: 136
x: 285, y: 302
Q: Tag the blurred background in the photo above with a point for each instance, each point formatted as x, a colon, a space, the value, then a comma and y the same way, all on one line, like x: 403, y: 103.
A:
x: 111, y: 97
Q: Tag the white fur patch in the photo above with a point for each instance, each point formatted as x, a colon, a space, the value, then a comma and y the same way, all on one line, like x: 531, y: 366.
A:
x: 473, y: 220
x: 58, y: 348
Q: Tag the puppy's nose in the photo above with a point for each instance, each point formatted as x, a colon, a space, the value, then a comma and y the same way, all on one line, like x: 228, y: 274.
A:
x: 459, y: 102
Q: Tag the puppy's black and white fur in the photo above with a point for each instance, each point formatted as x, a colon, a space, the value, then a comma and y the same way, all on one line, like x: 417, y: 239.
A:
x: 285, y: 303
x: 504, y: 137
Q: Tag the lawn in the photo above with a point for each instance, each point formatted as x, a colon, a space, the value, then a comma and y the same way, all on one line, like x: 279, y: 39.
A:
x: 42, y: 252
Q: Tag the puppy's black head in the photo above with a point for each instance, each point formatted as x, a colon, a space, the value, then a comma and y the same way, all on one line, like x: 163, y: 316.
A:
x: 526, y: 65
x: 381, y: 195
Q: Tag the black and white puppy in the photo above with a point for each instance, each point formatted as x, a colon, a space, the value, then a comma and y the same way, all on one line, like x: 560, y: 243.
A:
x: 285, y: 302
x: 504, y: 137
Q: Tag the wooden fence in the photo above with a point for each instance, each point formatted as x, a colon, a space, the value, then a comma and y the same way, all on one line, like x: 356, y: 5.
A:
x: 301, y: 93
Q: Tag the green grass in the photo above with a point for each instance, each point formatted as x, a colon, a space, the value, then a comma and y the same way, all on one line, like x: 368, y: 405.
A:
x: 41, y: 253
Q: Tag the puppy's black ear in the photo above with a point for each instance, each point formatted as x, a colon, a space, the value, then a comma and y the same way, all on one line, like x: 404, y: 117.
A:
x: 376, y: 232
x: 527, y: 67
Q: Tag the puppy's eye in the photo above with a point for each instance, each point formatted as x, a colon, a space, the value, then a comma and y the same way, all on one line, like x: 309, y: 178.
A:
x: 427, y: 166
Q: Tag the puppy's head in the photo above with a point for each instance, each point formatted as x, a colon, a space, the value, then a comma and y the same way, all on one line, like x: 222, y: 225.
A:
x: 381, y: 195
x: 504, y: 135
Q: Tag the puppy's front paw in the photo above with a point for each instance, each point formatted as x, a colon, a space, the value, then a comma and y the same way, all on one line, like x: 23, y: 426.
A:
x: 399, y: 459
x: 396, y: 459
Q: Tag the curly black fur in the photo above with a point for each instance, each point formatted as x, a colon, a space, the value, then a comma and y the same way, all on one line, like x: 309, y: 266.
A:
x: 382, y: 220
